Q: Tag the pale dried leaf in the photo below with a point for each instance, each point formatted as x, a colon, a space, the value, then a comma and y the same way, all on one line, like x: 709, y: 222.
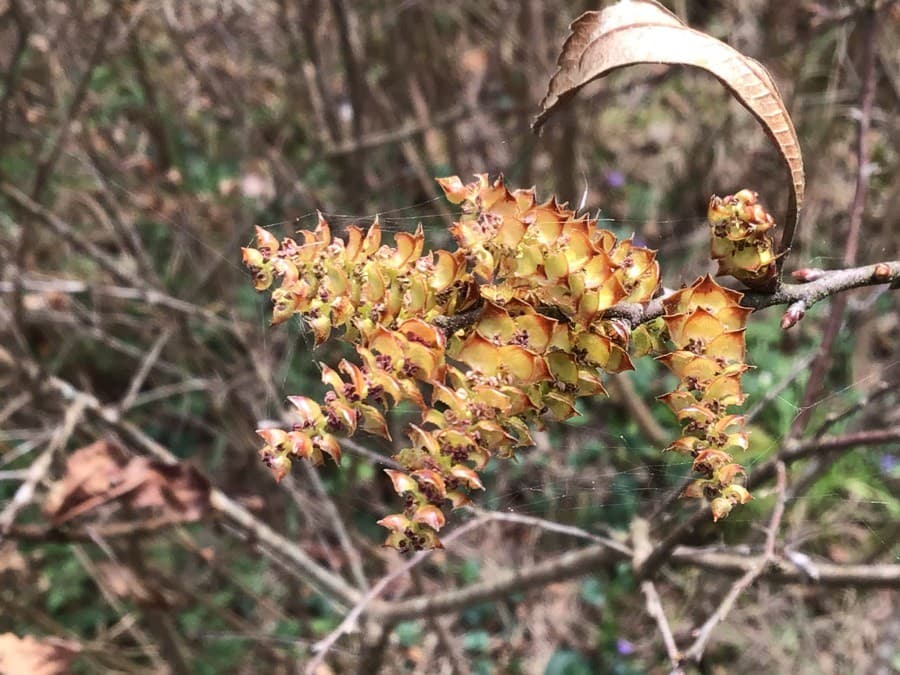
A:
x: 102, y: 473
x: 89, y: 471
x: 122, y: 582
x: 47, y: 656
x: 11, y: 561
x: 643, y: 31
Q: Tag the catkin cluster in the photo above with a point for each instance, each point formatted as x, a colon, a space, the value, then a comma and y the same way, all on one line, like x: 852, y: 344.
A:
x: 489, y: 341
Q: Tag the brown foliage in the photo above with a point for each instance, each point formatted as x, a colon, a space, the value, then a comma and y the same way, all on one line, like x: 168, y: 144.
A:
x: 49, y: 656
x: 643, y: 31
x: 102, y: 474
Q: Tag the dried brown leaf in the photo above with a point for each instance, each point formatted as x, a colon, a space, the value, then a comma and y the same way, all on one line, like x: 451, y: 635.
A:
x: 101, y: 473
x: 11, y: 561
x: 643, y: 31
x: 27, y: 654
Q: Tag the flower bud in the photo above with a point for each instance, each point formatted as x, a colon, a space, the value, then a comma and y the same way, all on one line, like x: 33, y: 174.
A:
x: 720, y: 508
x: 252, y: 258
x: 882, y: 272
x: 431, y: 516
x: 807, y: 274
x: 403, y: 483
x: 266, y: 242
x: 792, y: 316
x: 736, y: 494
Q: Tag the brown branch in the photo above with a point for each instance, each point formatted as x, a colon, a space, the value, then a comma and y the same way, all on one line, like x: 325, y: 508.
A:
x: 564, y: 566
x: 640, y: 536
x: 575, y: 563
x: 826, y: 284
x: 794, y: 450
x: 783, y: 571
x: 148, y: 296
x: 47, y: 163
x: 441, y: 627
x: 351, y: 553
x: 147, y: 645
x: 147, y: 362
x: 550, y: 526
x: 655, y: 610
x: 103, y: 657
x: 12, y: 69
x: 67, y: 234
x: 831, y: 282
x: 41, y: 533
x: 408, y: 130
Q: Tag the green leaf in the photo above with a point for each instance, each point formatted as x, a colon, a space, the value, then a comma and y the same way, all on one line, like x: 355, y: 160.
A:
x: 568, y: 662
x: 593, y: 592
x: 477, y: 641
x: 409, y: 633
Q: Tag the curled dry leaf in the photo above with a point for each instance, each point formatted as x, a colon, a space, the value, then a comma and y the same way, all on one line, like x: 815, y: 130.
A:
x: 643, y: 31
x: 102, y: 473
x: 48, y: 656
x: 12, y: 563
x: 122, y: 582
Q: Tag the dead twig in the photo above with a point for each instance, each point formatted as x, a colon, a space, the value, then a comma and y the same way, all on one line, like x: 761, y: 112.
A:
x: 655, y: 609
x: 857, y: 209
x: 350, y: 621
x: 41, y: 466
x: 704, y: 633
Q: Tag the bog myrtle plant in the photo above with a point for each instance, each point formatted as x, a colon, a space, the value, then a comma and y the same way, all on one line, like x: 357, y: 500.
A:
x: 506, y: 332
x: 503, y: 335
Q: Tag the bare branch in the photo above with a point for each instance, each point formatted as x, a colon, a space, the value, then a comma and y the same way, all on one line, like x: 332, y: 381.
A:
x: 565, y: 566
x: 784, y: 571
x: 655, y: 609
x: 40, y: 467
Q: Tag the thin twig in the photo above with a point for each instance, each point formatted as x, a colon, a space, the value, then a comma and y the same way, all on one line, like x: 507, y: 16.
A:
x: 857, y: 209
x: 655, y: 609
x: 549, y: 526
x: 40, y: 467
x: 442, y: 630
x: 236, y: 514
x: 791, y: 569
x: 146, y: 366
x: 40, y: 533
x: 622, y: 390
x: 350, y: 621
x: 793, y: 450
x: 149, y: 648
x: 351, y: 552
x: 695, y: 651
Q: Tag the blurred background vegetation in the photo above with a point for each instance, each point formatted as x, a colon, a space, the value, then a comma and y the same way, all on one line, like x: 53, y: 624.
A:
x: 140, y: 142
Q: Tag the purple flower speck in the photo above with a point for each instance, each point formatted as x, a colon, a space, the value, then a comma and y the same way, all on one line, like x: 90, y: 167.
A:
x: 888, y: 463
x: 615, y: 179
x: 624, y: 647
